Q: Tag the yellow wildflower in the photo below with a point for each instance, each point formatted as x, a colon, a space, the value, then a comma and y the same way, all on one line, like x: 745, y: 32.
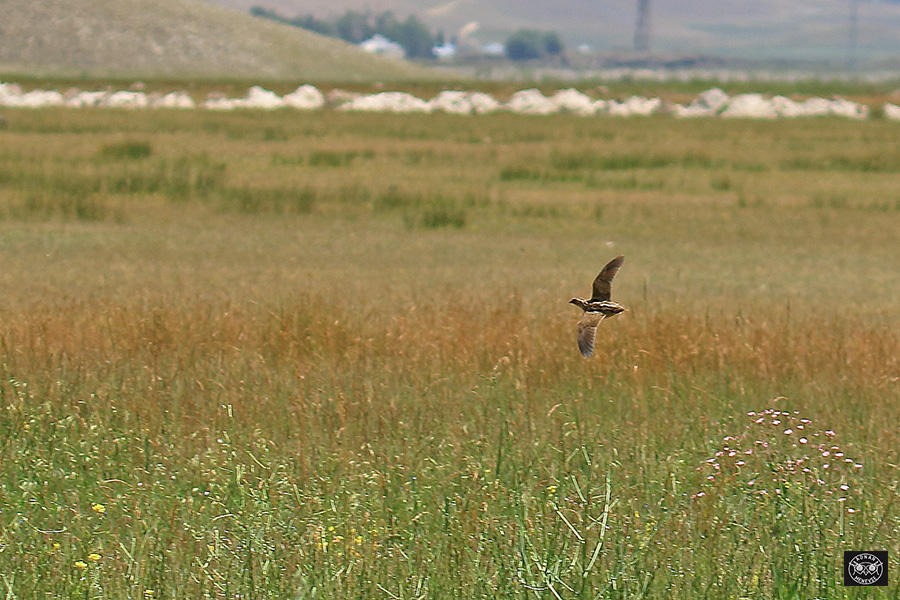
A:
x: 93, y: 556
x: 80, y: 564
x: 98, y: 508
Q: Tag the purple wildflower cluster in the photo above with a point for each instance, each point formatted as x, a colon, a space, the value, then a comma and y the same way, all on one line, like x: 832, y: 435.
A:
x: 781, y: 453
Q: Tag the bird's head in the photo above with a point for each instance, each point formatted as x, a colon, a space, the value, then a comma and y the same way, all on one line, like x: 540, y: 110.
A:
x: 577, y: 302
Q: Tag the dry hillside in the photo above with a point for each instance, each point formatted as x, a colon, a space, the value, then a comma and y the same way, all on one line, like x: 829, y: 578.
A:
x: 146, y: 38
x: 763, y: 29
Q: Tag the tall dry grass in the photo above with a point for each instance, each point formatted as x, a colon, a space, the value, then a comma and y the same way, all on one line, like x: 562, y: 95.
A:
x: 357, y: 451
x: 206, y: 392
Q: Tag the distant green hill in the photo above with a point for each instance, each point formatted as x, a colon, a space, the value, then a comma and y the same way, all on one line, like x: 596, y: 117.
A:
x: 175, y: 38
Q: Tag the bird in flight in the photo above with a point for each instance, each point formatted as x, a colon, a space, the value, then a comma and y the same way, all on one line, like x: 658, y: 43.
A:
x: 598, y: 307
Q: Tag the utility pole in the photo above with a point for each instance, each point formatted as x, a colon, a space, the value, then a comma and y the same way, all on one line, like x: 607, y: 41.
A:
x: 854, y: 35
x: 642, y: 29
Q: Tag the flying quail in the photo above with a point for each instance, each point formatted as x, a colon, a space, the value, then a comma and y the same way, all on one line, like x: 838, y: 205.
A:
x: 598, y: 307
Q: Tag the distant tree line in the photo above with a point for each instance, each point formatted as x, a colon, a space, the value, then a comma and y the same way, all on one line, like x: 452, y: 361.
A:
x: 528, y: 44
x: 356, y: 27
x: 411, y: 33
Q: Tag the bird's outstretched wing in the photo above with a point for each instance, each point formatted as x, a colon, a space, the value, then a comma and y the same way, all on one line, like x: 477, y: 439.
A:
x: 587, y: 331
x: 603, y: 283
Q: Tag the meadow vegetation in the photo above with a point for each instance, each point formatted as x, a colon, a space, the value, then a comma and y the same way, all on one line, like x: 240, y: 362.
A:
x: 289, y: 355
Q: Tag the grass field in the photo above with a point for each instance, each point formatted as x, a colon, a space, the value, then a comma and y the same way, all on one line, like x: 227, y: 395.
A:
x: 282, y: 355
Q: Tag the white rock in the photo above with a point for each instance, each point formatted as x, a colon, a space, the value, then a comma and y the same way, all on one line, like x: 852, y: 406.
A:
x: 179, y: 99
x: 892, y: 112
x: 126, y: 99
x: 753, y: 106
x: 785, y: 107
x: 337, y: 97
x: 9, y: 90
x: 531, y: 102
x: 847, y: 108
x: 258, y: 97
x: 453, y: 102
x: 617, y: 109
x: 305, y: 97
x: 573, y: 101
x: 638, y: 105
x: 710, y: 103
x: 484, y: 103
x: 706, y: 104
x: 86, y: 99
x: 634, y: 106
x: 41, y: 99
x: 713, y: 99
x: 216, y: 102
x: 395, y: 102
x: 691, y: 111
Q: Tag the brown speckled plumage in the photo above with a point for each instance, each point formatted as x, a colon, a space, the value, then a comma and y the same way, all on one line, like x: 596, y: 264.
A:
x: 598, y: 307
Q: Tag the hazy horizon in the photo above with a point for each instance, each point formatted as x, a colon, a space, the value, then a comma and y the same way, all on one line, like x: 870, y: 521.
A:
x: 767, y: 29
